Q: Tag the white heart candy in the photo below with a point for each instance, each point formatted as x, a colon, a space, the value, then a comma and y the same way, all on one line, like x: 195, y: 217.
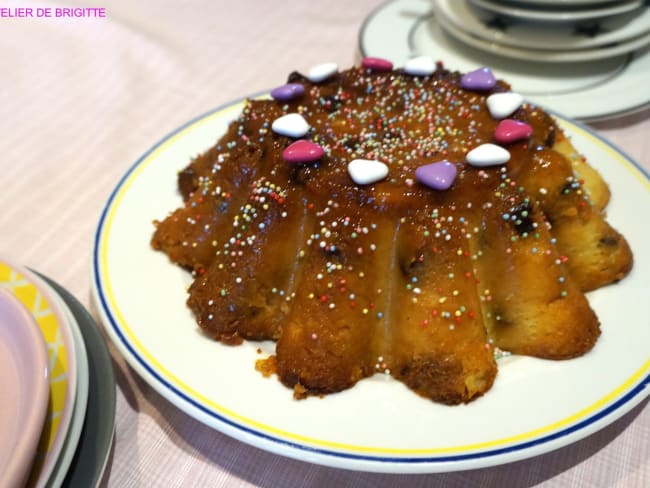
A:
x: 420, y: 66
x: 321, y: 72
x: 501, y: 105
x: 367, y: 171
x: 487, y: 155
x: 292, y: 125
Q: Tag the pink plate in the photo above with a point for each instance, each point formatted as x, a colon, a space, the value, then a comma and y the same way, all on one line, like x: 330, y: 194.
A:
x: 63, y: 362
x: 25, y: 389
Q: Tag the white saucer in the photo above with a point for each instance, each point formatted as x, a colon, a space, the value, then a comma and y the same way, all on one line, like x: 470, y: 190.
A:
x: 402, y: 29
x: 545, y: 14
x: 81, y: 397
x: 562, y: 3
x: 94, y: 446
x: 559, y: 55
x: 479, y: 23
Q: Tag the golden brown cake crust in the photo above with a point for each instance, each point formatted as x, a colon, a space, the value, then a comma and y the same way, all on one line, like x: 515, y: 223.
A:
x: 393, y: 277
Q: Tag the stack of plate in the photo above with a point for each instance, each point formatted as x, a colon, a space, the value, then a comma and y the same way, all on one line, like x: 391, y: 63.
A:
x: 548, y: 30
x: 586, y: 59
x: 58, y: 386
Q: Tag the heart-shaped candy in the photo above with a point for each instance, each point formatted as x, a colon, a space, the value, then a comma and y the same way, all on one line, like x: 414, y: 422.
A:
x: 287, y: 92
x: 367, y: 171
x: 501, y: 105
x: 376, y: 64
x: 487, y: 155
x: 509, y: 130
x: 291, y: 125
x: 439, y: 176
x: 481, y: 79
x: 302, y: 151
x: 420, y: 66
x: 321, y: 72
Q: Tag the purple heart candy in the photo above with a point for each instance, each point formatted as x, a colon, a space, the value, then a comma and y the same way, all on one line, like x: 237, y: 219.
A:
x: 288, y: 92
x: 439, y: 176
x: 480, y: 79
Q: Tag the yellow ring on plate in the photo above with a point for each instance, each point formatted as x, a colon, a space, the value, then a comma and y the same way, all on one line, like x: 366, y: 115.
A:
x: 199, y: 397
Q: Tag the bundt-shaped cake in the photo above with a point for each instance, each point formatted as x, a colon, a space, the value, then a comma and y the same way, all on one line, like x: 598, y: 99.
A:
x: 406, y: 221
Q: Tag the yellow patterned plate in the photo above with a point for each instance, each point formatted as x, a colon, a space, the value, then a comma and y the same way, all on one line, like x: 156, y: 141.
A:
x: 62, y: 363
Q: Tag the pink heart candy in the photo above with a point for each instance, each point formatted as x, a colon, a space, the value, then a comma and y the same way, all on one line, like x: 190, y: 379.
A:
x: 302, y: 152
x: 377, y: 64
x: 510, y: 130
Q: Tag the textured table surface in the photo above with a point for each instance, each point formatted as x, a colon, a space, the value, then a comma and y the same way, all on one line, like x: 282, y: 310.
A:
x: 82, y: 99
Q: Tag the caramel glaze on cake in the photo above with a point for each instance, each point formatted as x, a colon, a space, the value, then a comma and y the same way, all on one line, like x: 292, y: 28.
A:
x: 393, y: 277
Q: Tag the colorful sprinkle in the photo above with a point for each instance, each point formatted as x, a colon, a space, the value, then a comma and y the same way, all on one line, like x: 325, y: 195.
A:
x: 439, y: 176
x: 407, y: 130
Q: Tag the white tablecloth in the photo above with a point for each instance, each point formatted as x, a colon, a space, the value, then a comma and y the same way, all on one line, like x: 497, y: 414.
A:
x: 82, y: 98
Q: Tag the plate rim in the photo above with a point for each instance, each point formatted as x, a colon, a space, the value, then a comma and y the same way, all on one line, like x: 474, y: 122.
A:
x: 563, y: 2
x: 567, y: 16
x: 39, y: 386
x: 102, y: 387
x: 635, y: 388
x: 448, y: 9
x: 50, y: 458
x: 75, y: 427
x: 537, y: 14
x: 613, y: 50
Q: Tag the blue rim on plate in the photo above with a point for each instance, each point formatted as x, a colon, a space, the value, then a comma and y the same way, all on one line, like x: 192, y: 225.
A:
x: 610, y: 405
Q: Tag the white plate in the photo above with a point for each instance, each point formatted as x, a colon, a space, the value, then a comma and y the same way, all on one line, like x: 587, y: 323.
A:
x: 379, y: 425
x: 90, y: 460
x: 80, y: 402
x: 560, y: 55
x: 401, y: 29
x: 25, y: 387
x: 562, y: 3
x: 553, y: 15
x: 63, y: 364
x: 475, y: 22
